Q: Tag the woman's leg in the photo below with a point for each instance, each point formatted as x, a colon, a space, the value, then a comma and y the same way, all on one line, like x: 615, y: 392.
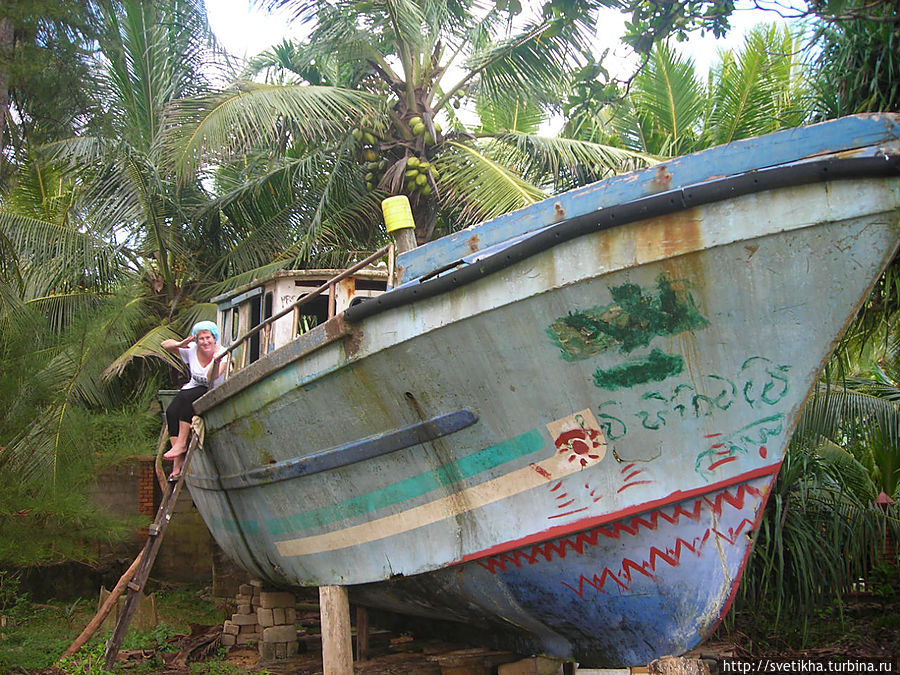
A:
x: 176, y: 466
x: 179, y: 442
x: 178, y: 417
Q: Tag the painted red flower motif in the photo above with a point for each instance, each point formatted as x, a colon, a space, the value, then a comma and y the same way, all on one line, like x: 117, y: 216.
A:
x: 581, y: 443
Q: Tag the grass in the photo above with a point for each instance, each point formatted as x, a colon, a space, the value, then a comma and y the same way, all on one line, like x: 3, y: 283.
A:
x: 37, y: 634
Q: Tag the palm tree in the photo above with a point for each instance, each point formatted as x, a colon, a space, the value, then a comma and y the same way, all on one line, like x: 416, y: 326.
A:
x: 670, y: 111
x: 101, y: 250
x: 440, y: 100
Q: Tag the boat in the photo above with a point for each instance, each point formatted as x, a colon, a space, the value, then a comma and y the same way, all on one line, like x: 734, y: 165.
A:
x: 559, y: 427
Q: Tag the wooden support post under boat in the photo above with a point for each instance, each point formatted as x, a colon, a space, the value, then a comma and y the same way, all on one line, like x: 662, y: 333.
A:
x: 362, y: 634
x: 337, y: 646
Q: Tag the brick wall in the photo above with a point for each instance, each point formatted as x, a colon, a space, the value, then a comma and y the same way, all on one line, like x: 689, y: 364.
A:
x: 188, y: 553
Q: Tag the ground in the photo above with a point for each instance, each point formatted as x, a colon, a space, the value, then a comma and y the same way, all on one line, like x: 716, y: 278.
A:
x: 865, y: 628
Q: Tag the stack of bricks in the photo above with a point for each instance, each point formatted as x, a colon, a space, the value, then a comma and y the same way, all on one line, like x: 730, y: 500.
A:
x: 243, y: 627
x: 267, y: 618
x: 277, y: 617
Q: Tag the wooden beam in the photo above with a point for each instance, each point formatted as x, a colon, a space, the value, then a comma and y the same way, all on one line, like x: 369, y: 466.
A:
x: 337, y: 645
x: 362, y: 634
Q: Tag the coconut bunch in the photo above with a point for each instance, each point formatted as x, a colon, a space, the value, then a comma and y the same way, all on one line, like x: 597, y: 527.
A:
x: 399, y: 165
x: 374, y: 163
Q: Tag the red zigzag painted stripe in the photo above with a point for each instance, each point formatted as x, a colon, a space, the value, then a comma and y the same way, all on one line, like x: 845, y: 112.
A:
x: 558, y: 548
x: 647, y: 568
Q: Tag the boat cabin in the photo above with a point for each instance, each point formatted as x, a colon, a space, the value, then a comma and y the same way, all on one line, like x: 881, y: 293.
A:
x: 247, y: 306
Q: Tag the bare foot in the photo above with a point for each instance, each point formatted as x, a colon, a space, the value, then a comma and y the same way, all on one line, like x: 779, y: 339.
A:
x: 176, y: 451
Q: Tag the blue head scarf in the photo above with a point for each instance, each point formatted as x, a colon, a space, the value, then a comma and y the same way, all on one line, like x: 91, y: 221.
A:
x: 206, y: 325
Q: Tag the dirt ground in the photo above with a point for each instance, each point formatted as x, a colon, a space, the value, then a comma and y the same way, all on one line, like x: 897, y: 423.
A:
x: 869, y: 630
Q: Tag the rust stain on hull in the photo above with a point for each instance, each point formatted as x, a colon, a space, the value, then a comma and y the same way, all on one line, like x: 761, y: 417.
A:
x: 662, y: 180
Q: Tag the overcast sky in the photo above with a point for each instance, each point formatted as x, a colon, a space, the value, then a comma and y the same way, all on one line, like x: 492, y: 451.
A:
x: 245, y: 32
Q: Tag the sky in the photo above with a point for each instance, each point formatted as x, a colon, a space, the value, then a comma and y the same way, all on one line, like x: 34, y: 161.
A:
x: 246, y: 31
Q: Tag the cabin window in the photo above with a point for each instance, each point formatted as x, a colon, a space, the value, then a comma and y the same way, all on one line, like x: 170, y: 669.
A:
x: 269, y: 331
x: 371, y: 285
x: 255, y: 305
x: 312, y: 314
x: 235, y: 324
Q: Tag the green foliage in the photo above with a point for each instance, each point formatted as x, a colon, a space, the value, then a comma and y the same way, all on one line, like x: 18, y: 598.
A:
x: 312, y: 152
x: 88, y: 661
x: 39, y: 634
x: 12, y: 601
x: 858, y: 64
x: 816, y: 538
x: 61, y: 425
x: 670, y: 111
x: 217, y: 666
x: 45, y: 72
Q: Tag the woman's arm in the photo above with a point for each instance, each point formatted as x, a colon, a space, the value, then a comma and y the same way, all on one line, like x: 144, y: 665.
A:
x: 172, y: 346
x: 217, y: 367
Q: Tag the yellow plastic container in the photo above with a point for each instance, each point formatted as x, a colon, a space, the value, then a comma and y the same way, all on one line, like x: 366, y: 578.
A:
x: 397, y: 213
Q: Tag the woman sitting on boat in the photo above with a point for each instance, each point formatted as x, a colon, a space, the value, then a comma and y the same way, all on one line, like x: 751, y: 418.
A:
x: 199, y: 351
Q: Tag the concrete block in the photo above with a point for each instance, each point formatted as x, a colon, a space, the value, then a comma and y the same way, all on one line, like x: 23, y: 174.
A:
x: 279, y: 634
x: 267, y: 651
x: 230, y: 628
x: 290, y: 616
x: 281, y: 650
x: 536, y: 665
x: 256, y: 583
x: 228, y: 640
x: 270, y: 599
x: 243, y: 598
x: 265, y: 617
x: 678, y: 665
x: 293, y: 648
x: 244, y: 619
x: 247, y: 639
x: 245, y: 589
x: 244, y: 609
x: 278, y: 616
x: 252, y: 628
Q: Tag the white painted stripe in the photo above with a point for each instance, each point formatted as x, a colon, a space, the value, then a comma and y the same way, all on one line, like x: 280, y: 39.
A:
x: 534, y: 475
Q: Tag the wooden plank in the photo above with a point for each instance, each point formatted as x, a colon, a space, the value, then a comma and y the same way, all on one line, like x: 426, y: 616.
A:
x: 337, y: 646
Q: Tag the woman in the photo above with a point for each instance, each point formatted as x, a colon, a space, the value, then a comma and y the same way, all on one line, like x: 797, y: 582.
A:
x: 199, y: 352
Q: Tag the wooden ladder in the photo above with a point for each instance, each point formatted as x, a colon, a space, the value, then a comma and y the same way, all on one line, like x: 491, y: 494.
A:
x: 147, y: 556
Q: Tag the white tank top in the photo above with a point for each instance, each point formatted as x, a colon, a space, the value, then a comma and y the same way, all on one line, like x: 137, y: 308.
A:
x: 198, y: 373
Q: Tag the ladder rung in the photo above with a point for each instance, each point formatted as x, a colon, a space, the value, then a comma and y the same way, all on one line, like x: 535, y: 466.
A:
x: 153, y: 530
x: 134, y: 586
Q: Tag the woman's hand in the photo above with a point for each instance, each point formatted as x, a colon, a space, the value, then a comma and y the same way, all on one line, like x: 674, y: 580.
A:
x: 172, y: 346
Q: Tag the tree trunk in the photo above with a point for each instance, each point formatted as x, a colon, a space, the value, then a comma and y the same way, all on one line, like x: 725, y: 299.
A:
x: 6, y: 51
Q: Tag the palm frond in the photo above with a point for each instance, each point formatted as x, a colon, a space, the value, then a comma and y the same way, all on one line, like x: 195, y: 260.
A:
x: 668, y: 100
x: 468, y: 176
x: 566, y: 162
x: 247, y: 114
x: 148, y: 345
x: 756, y: 92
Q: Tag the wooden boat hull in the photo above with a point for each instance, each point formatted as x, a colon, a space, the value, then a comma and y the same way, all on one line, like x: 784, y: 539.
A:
x: 620, y: 593
x: 580, y: 460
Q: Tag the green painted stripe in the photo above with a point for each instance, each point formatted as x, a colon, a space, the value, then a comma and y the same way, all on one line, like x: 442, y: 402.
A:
x: 465, y: 467
x: 228, y: 525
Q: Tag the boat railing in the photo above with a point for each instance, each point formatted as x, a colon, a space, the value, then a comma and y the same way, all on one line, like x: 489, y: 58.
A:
x: 266, y: 326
